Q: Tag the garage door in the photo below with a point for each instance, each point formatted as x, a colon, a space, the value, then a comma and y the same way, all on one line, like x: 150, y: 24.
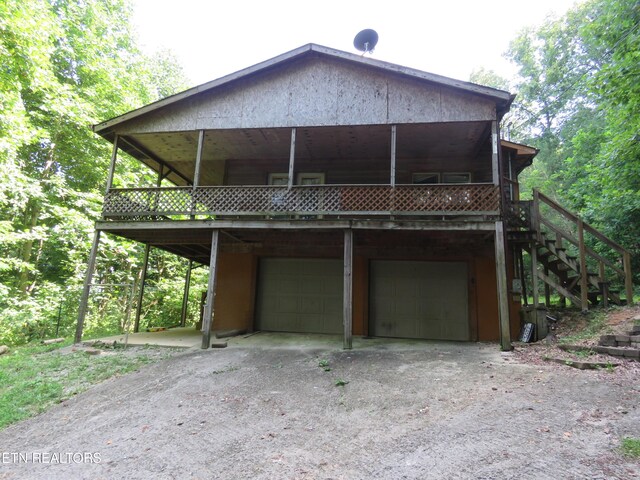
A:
x: 299, y: 295
x: 419, y: 300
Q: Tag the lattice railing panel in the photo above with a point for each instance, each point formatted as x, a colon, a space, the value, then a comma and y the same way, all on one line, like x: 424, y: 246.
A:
x: 357, y: 200
x: 518, y: 215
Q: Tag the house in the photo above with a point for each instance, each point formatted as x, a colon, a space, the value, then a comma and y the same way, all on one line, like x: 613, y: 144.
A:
x: 334, y: 193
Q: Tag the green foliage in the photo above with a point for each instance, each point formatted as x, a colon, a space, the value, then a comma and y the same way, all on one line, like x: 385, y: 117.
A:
x: 579, y: 100
x: 64, y: 65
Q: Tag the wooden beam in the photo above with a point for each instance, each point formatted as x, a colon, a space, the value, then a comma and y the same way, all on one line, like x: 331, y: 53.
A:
x: 292, y: 158
x: 196, y: 173
x: 628, y: 279
x: 394, y: 136
x: 84, y: 300
x: 436, y: 225
x: 155, y: 158
x: 112, y: 165
x: 495, y: 168
x: 185, y: 295
x: 534, y: 275
x: 347, y: 319
x: 559, y: 288
x: 211, y: 290
x: 503, y: 289
x: 584, y: 275
x: 143, y: 281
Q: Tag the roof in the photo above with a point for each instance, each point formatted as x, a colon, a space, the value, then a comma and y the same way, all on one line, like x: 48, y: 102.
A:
x: 502, y: 98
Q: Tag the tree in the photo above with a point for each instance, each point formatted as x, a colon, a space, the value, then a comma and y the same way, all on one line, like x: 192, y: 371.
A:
x: 64, y: 65
x: 579, y: 82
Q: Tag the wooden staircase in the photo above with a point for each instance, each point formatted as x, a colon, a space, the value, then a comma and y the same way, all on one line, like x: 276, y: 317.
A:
x: 568, y: 255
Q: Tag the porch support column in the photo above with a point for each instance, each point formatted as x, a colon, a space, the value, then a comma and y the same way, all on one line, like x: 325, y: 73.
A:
x: 112, y: 165
x: 143, y: 282
x: 185, y: 295
x: 347, y: 301
x: 394, y: 135
x: 196, y: 172
x: 495, y: 167
x: 211, y: 290
x: 292, y: 158
x: 503, y: 290
x: 84, y: 300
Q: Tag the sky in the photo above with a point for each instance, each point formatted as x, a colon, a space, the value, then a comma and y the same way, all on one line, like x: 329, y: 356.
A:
x: 447, y: 37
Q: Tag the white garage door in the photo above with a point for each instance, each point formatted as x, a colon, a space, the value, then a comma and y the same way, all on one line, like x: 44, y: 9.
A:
x: 419, y: 300
x: 299, y: 295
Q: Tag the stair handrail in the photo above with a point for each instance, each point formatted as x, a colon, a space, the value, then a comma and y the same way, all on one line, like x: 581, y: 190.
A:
x: 582, y: 226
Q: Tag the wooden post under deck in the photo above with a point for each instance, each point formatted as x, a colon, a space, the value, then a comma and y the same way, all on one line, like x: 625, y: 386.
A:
x: 84, y: 300
x: 503, y: 289
x: 347, y: 318
x: 211, y: 290
x: 185, y: 295
x: 143, y: 281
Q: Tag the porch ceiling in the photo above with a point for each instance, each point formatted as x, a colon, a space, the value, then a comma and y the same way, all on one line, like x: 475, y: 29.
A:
x: 414, y: 141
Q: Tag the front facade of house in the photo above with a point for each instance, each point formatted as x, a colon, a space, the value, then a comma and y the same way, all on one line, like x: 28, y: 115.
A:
x: 330, y: 193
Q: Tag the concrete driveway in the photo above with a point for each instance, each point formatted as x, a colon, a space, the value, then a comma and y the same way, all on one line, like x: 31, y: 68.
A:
x: 299, y: 407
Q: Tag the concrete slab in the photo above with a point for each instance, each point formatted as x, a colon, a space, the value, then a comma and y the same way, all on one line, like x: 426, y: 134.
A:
x: 189, y: 337
x: 186, y: 337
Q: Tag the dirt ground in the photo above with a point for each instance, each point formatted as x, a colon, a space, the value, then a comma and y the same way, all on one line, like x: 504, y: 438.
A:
x: 268, y: 408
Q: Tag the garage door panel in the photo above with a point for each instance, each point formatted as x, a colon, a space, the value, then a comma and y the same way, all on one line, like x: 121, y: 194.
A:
x: 300, y: 295
x: 419, y: 300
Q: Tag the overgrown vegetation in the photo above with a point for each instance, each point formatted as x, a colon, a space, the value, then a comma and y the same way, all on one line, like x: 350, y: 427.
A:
x: 35, y: 377
x: 65, y: 65
x: 578, y: 101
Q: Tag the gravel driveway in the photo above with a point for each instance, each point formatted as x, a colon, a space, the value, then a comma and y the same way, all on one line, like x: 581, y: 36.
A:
x: 265, y: 408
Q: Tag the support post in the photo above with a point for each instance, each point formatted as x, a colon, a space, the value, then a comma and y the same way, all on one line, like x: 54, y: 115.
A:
x: 292, y: 158
x: 628, y: 280
x: 347, y: 319
x: 495, y: 168
x: 196, y: 173
x: 535, y: 215
x: 84, y: 300
x: 584, y: 275
x: 534, y: 275
x: 185, y: 295
x: 394, y: 135
x: 112, y: 165
x: 525, y: 298
x: 211, y: 290
x: 143, y: 281
x: 503, y: 289
x: 547, y: 290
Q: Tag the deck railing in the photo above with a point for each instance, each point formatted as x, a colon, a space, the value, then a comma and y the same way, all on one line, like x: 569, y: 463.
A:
x: 276, y: 201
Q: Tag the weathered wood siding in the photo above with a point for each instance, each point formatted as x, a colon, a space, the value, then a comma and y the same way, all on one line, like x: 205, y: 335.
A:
x: 317, y: 91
